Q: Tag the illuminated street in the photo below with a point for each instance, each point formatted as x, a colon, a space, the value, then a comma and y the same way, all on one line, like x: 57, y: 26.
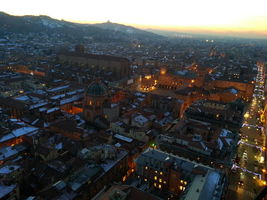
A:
x: 247, y: 177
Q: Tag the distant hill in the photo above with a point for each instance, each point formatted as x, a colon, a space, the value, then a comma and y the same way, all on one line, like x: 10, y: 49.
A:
x: 129, y: 30
x: 48, y: 25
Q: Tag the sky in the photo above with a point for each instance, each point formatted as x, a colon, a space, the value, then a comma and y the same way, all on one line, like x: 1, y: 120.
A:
x: 247, y: 17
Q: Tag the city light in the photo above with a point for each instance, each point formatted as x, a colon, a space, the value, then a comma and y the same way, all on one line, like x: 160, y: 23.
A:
x: 246, y: 115
x: 148, y: 77
x: 164, y: 109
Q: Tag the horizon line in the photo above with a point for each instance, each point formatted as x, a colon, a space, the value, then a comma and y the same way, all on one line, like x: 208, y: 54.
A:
x: 195, y: 30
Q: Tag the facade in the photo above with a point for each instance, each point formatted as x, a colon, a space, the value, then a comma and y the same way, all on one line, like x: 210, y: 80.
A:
x: 95, y: 96
x: 118, y: 67
x: 245, y: 89
x: 179, y: 177
x: 98, y: 103
x: 200, y: 141
x: 228, y: 115
x: 120, y: 192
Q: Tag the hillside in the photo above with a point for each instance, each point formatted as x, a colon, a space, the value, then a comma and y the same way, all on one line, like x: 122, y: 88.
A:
x: 44, y: 24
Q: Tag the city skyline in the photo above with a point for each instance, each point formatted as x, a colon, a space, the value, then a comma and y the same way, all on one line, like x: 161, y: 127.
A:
x: 240, y: 18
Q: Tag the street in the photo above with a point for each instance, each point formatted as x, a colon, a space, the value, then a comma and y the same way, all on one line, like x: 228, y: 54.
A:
x: 248, y: 174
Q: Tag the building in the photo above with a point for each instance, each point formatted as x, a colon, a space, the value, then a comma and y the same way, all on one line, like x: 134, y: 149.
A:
x: 200, y: 141
x: 179, y: 177
x: 227, y: 115
x: 120, y: 192
x: 118, y: 67
x: 98, y: 104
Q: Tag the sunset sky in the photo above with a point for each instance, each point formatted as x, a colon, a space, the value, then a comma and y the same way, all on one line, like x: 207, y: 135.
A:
x: 228, y: 16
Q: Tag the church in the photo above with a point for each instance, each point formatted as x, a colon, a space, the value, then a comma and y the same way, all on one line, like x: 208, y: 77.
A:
x: 97, y: 103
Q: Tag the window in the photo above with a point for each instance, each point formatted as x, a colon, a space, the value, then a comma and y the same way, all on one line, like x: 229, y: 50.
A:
x: 160, y: 180
x: 181, y: 187
x: 156, y: 172
x: 159, y: 186
x: 155, y: 178
x: 160, y: 173
x: 155, y: 184
x: 146, y: 167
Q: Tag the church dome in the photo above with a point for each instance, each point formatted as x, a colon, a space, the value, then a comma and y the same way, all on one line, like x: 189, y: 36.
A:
x: 96, y: 88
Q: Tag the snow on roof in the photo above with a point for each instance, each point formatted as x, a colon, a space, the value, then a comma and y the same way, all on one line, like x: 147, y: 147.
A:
x: 13, y: 120
x: 233, y: 91
x: 80, y: 90
x: 58, y: 88
x: 72, y: 92
x: 7, y: 152
x: 224, y: 133
x: 72, y: 99
x: 167, y: 114
x: 123, y: 138
x: 9, y: 169
x: 42, y: 109
x: 141, y: 119
x: 110, y: 163
x: 35, y: 121
x: 220, y: 143
x: 118, y: 145
x: 113, y: 105
x: 38, y: 105
x: 182, y: 72
x: 57, y: 96
x: 4, y: 190
x: 40, y: 92
x: 22, y: 98
x: 211, y: 182
x: 7, y: 137
x: 23, y: 131
x: 52, y: 110
x: 59, y: 146
x: 229, y: 141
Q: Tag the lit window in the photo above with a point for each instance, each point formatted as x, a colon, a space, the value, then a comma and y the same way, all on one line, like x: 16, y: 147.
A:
x: 185, y: 182
x: 155, y: 184
x: 160, y: 180
x: 160, y: 173
x: 155, y: 178
x: 145, y: 180
x: 156, y: 172
x: 146, y: 167
x: 164, y: 182
x: 159, y: 186
x: 181, y: 187
x: 181, y: 181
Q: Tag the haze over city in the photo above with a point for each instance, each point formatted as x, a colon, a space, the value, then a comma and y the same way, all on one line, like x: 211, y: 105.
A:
x: 133, y: 100
x: 231, y: 18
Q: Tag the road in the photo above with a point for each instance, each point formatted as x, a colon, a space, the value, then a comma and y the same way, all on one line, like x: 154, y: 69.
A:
x: 248, y: 176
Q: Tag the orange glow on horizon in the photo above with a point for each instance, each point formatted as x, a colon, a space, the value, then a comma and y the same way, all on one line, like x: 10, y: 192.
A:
x: 205, y: 16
